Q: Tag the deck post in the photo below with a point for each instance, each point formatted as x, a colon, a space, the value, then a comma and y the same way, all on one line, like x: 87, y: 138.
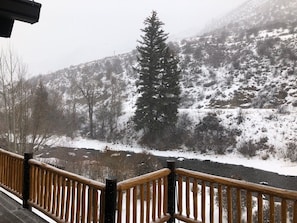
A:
x: 110, y: 200
x: 26, y: 179
x: 171, y: 191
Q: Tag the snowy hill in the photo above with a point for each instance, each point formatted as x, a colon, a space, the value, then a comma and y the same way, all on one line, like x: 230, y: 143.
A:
x: 254, y: 14
x: 241, y: 77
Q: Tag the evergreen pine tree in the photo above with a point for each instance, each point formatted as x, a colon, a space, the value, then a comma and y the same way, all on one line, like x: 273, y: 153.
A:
x: 158, y: 80
x: 40, y: 108
x: 169, y: 90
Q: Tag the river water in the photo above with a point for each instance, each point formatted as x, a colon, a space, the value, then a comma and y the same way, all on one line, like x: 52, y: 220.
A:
x: 237, y: 172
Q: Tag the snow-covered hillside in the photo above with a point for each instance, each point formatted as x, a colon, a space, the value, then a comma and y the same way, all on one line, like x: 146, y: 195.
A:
x: 242, y: 80
x: 257, y: 14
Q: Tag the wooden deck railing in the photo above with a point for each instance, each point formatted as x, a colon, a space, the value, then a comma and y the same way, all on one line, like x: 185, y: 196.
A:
x: 63, y: 196
x: 207, y: 198
x: 144, y: 198
x: 161, y: 196
x: 11, y: 172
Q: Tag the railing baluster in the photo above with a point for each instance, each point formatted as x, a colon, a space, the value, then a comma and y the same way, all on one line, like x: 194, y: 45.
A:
x: 42, y: 194
x: 14, y: 176
x: 21, y: 175
x: 83, y: 206
x: 135, y: 204
x: 229, y: 205
x: 73, y: 202
x: 169, y: 192
x: 271, y: 209
x: 90, y: 202
x: 6, y: 172
x: 51, y: 195
x: 38, y: 186
x: 180, y: 195
x: 58, y: 195
x: 195, y: 198
x: 141, y: 204
x: 211, y: 195
x: 9, y: 174
x: 78, y: 202
x: 102, y: 205
x: 148, y: 202
x: 220, y: 197
x: 165, y: 198
x: 260, y: 208
x: 128, y: 203
x: 64, y: 199
x: 187, y: 196
x: 154, y: 200
x: 68, y: 197
x: 95, y: 205
x: 159, y: 197
x: 54, y: 185
x: 295, y: 212
x: 1, y: 167
x: 32, y: 185
x: 5, y: 166
x: 238, y: 204
x: 249, y: 207
x: 48, y: 191
x: 203, y: 201
x: 284, y: 210
x: 120, y: 206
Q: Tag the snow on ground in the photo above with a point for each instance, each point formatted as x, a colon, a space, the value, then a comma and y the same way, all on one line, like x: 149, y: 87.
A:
x: 280, y: 166
x: 276, y: 128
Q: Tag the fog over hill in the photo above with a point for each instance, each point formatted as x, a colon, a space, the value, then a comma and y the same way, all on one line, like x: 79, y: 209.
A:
x: 240, y: 76
x: 257, y: 14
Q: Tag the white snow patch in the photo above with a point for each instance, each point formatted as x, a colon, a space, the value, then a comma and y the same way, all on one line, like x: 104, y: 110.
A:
x: 280, y: 166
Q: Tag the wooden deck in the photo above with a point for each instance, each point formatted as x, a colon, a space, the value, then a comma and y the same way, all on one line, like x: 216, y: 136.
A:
x: 162, y: 196
x: 11, y: 211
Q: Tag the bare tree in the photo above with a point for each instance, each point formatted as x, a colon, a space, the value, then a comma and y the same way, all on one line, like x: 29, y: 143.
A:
x: 113, y: 106
x: 91, y: 90
x: 14, y: 100
x: 27, y: 115
x: 71, y: 110
x: 88, y: 92
x: 101, y: 94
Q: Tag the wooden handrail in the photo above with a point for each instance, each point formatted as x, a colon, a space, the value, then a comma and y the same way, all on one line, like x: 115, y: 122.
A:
x: 203, y: 197
x: 64, y: 196
x: 72, y: 176
x: 144, y: 198
x: 283, y: 193
x: 67, y: 197
x: 143, y: 179
x: 11, y: 172
x: 11, y: 154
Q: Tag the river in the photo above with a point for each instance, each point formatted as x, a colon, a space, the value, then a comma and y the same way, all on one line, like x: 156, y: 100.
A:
x: 236, y: 171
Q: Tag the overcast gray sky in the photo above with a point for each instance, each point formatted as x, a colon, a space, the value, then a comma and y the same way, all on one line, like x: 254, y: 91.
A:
x: 71, y: 32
